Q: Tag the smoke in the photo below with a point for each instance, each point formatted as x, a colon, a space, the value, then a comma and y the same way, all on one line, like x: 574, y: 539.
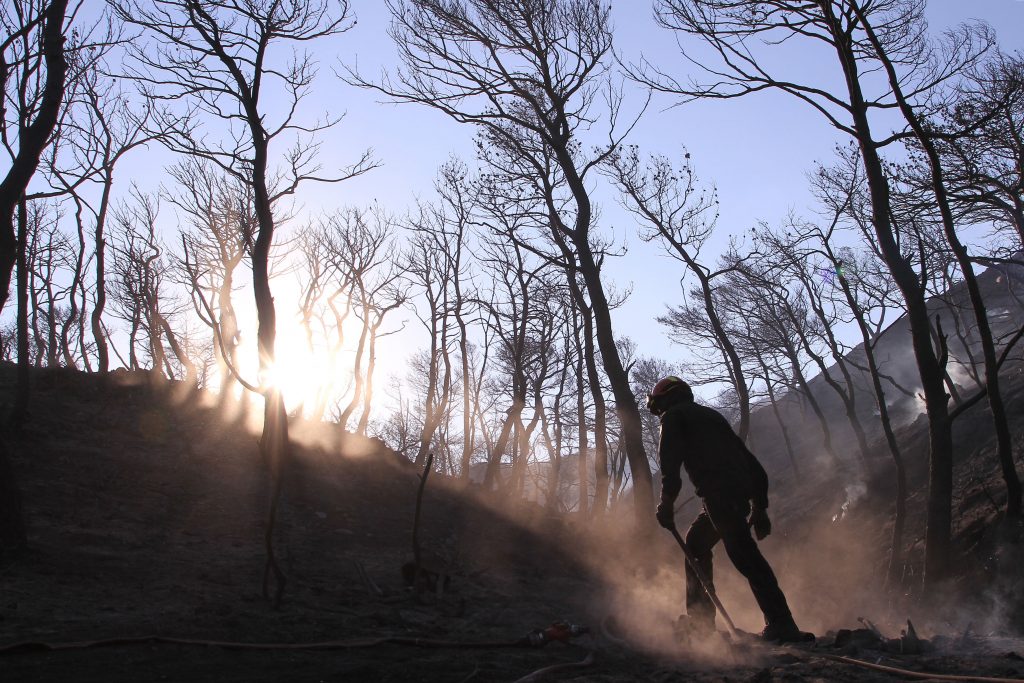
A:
x: 854, y: 492
x: 643, y: 596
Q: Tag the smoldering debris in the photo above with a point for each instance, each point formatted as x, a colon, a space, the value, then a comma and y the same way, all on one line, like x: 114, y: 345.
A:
x: 966, y: 642
x: 854, y: 492
x: 908, y: 643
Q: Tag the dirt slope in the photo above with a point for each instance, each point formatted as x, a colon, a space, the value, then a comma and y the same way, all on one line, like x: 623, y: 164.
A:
x: 146, y: 511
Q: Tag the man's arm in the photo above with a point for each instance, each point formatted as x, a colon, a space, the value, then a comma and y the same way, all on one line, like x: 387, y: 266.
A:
x: 670, y: 459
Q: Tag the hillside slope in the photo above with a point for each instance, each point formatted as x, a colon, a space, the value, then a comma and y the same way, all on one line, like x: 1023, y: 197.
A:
x: 868, y: 491
x: 146, y: 510
x: 146, y: 513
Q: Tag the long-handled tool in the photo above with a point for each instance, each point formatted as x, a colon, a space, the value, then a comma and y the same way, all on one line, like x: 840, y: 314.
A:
x: 704, y: 582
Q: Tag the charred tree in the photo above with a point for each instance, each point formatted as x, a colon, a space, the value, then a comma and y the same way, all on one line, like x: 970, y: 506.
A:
x: 33, y: 46
x: 526, y: 74
x: 212, y: 61
x: 866, y: 290
x: 682, y: 215
x: 925, y: 137
x: 983, y: 165
x: 220, y: 224
x: 732, y: 29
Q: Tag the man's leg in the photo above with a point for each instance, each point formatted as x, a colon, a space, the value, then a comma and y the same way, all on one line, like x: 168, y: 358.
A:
x: 730, y: 519
x: 700, y: 539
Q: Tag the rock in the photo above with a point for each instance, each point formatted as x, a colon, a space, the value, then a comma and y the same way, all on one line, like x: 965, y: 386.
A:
x: 860, y: 637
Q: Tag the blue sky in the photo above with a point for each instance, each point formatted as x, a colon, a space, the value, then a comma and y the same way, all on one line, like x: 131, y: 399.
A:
x: 755, y: 150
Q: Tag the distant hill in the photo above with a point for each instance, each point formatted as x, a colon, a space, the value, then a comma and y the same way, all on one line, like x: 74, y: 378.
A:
x: 1003, y: 290
x: 979, y: 495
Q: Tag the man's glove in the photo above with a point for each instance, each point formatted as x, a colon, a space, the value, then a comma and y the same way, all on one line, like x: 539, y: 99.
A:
x: 666, y: 515
x: 759, y: 520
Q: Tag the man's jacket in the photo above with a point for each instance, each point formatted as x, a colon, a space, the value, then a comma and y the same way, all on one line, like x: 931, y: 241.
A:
x: 716, y: 459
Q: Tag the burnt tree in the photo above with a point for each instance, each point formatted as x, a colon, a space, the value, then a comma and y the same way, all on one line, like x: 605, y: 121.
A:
x: 742, y: 36
x: 220, y: 64
x: 528, y: 74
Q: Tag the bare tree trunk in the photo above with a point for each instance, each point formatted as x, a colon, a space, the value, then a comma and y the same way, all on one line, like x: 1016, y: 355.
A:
x: 492, y: 473
x: 938, y: 535
x: 1003, y: 440
x: 191, y: 375
x: 438, y: 386
x: 156, y: 344
x: 74, y: 317
x: 468, y: 441
x: 600, y: 501
x: 553, y: 445
x: 735, y: 364
x: 371, y: 367
x: 52, y: 346
x: 625, y: 401
x: 19, y: 411
x: 34, y: 309
x: 228, y: 328
x: 357, y: 370
x: 778, y: 418
x: 98, y: 336
x: 133, y: 338
x: 581, y: 421
x: 33, y: 139
x: 274, y: 442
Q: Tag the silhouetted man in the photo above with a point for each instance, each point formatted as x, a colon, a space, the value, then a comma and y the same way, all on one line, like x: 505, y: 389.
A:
x: 732, y: 484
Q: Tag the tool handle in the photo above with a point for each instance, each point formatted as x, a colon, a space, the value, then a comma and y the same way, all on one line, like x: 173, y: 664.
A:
x: 705, y: 584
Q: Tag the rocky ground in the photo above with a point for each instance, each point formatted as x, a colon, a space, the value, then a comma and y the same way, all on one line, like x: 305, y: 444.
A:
x: 147, y: 507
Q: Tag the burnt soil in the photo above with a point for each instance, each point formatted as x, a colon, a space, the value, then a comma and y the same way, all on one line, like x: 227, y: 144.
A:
x: 146, y: 509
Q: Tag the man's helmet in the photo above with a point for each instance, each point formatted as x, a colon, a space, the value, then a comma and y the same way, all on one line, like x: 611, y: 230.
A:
x: 666, y: 392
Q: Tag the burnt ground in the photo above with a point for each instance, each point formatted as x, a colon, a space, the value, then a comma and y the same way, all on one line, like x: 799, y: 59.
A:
x: 146, y: 510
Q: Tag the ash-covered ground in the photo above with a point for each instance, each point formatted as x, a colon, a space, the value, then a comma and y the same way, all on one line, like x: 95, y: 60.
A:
x: 147, y: 510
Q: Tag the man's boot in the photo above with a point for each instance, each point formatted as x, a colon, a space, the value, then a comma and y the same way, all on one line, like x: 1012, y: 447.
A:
x: 693, y: 629
x: 784, y: 630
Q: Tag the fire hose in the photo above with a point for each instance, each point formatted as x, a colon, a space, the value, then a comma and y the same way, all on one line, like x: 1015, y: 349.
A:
x: 559, y: 631
x: 920, y: 675
x: 537, y: 638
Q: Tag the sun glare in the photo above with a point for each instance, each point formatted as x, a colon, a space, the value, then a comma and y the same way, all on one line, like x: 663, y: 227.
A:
x: 301, y: 375
x: 314, y: 375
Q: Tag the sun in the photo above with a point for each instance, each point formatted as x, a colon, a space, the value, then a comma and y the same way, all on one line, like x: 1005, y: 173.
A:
x: 312, y: 374
x: 304, y: 376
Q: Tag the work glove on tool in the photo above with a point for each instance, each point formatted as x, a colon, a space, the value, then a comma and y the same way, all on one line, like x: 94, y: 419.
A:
x: 760, y: 522
x: 666, y: 515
